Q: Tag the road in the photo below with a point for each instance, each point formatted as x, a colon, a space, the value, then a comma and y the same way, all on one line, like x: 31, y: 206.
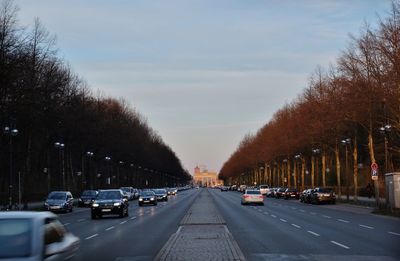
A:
x: 290, y: 230
x: 137, y: 237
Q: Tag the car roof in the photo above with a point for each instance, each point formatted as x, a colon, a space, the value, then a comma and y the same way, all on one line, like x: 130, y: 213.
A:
x: 27, y: 214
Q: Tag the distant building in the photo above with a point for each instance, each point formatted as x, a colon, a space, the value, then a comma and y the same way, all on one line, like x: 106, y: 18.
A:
x: 205, y: 178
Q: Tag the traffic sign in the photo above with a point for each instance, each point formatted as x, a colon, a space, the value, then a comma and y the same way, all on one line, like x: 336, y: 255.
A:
x: 374, y: 174
x: 374, y: 177
x: 374, y: 166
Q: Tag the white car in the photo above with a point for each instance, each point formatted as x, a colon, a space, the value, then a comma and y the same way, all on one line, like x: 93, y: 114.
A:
x: 34, y: 236
x: 264, y: 189
x: 252, y: 196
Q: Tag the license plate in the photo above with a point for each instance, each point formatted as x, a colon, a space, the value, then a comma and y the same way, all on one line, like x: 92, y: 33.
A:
x: 55, y: 207
x: 146, y: 201
x: 106, y: 210
x: 292, y: 195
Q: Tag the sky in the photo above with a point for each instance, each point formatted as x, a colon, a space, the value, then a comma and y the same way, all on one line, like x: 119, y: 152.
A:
x: 203, y: 73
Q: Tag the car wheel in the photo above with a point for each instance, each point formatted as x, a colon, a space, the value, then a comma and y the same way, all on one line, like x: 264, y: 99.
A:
x: 140, y: 204
x: 121, y: 213
x: 127, y: 213
x: 93, y: 215
x: 333, y: 202
x: 71, y: 209
x: 262, y: 204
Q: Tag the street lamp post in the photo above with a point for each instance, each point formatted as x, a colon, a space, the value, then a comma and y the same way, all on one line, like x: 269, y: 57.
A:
x: 108, y: 159
x: 385, y: 130
x: 346, y: 142
x: 60, y: 147
x: 88, y: 177
x: 11, y: 132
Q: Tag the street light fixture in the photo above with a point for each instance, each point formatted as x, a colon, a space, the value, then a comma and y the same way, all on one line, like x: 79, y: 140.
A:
x: 11, y: 132
x: 60, y: 147
x: 346, y: 142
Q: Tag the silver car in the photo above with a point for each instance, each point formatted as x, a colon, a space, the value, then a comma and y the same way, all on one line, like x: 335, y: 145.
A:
x: 252, y: 196
x: 34, y: 236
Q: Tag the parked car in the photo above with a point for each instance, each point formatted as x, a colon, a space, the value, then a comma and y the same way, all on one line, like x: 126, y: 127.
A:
x: 136, y: 193
x: 303, y: 195
x: 279, y: 193
x: 59, y: 201
x: 264, y: 189
x: 320, y: 195
x: 129, y: 192
x: 147, y: 197
x: 87, y: 198
x: 110, y: 202
x: 161, y: 194
x: 34, y: 236
x: 271, y: 193
x: 291, y: 193
x: 242, y: 188
x: 252, y: 196
x: 307, y: 195
x: 172, y: 191
x: 224, y: 188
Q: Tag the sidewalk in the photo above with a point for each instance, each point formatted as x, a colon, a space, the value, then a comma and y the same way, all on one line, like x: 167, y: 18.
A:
x: 364, y: 201
x: 202, y: 235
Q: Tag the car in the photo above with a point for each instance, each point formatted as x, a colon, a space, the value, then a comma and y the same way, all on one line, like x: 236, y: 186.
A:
x: 224, y: 188
x: 110, y: 202
x: 270, y: 192
x: 147, y: 197
x: 320, y: 195
x: 59, y: 201
x: 242, y: 188
x: 34, y: 236
x: 129, y: 192
x: 264, y: 189
x: 87, y: 198
x: 161, y: 194
x: 303, y: 195
x: 291, y: 193
x: 172, y: 191
x: 280, y: 192
x: 306, y: 196
x: 136, y: 193
x: 252, y: 196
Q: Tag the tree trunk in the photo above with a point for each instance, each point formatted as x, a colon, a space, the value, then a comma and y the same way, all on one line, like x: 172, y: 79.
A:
x: 324, y: 169
x: 338, y: 181
x: 355, y: 168
x: 303, y: 163
x: 312, y: 171
x: 289, y: 174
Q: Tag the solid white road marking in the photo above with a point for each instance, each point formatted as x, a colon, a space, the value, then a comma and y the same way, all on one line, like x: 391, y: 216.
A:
x: 313, y: 233
x: 273, y: 216
x: 344, y: 221
x: 283, y: 220
x: 394, y: 233
x: 110, y: 228
x: 364, y: 226
x: 325, y: 216
x: 123, y: 222
x: 66, y: 224
x: 297, y: 226
x: 80, y: 220
x: 132, y: 218
x: 341, y: 245
x: 92, y: 236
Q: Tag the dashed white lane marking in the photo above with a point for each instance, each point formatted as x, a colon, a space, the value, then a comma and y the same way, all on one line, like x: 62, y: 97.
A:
x: 313, y: 213
x: 266, y: 213
x: 283, y: 220
x: 302, y: 210
x: 110, y: 228
x: 296, y: 226
x: 313, y: 233
x: 140, y: 215
x: 344, y: 221
x: 132, y: 218
x: 294, y: 208
x: 260, y: 210
x: 394, y: 233
x: 273, y: 216
x: 325, y: 216
x: 66, y: 224
x: 364, y: 226
x: 80, y: 220
x: 341, y: 245
x: 123, y: 222
x: 92, y: 236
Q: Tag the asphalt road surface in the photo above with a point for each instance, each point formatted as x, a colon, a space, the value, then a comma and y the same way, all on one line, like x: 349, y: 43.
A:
x: 137, y: 237
x: 290, y: 230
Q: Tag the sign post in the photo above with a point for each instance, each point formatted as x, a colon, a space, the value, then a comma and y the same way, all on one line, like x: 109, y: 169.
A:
x: 374, y: 177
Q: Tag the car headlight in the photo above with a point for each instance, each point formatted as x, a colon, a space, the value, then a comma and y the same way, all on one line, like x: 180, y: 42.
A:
x: 95, y: 205
x: 151, y: 198
x: 80, y: 199
x: 117, y: 204
x: 140, y: 199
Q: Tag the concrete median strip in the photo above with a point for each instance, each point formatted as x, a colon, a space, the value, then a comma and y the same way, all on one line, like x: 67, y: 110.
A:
x: 202, y: 235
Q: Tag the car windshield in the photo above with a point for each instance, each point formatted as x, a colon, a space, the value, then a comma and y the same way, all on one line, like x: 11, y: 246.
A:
x: 57, y: 195
x: 160, y: 191
x: 126, y: 189
x: 253, y: 192
x: 147, y: 193
x: 15, y: 238
x: 109, y: 195
x: 89, y: 193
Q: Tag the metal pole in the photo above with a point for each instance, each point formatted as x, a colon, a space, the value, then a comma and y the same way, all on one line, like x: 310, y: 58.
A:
x: 19, y: 190
x: 10, y: 178
x: 386, y: 154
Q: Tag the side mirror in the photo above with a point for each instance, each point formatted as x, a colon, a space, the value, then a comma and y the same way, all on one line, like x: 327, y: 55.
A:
x: 69, y: 243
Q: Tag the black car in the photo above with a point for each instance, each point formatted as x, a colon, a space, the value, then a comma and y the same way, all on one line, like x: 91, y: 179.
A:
x: 305, y: 196
x: 110, y: 202
x: 280, y: 192
x: 147, y: 197
x: 161, y: 194
x: 224, y: 188
x: 291, y: 193
x: 87, y: 197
